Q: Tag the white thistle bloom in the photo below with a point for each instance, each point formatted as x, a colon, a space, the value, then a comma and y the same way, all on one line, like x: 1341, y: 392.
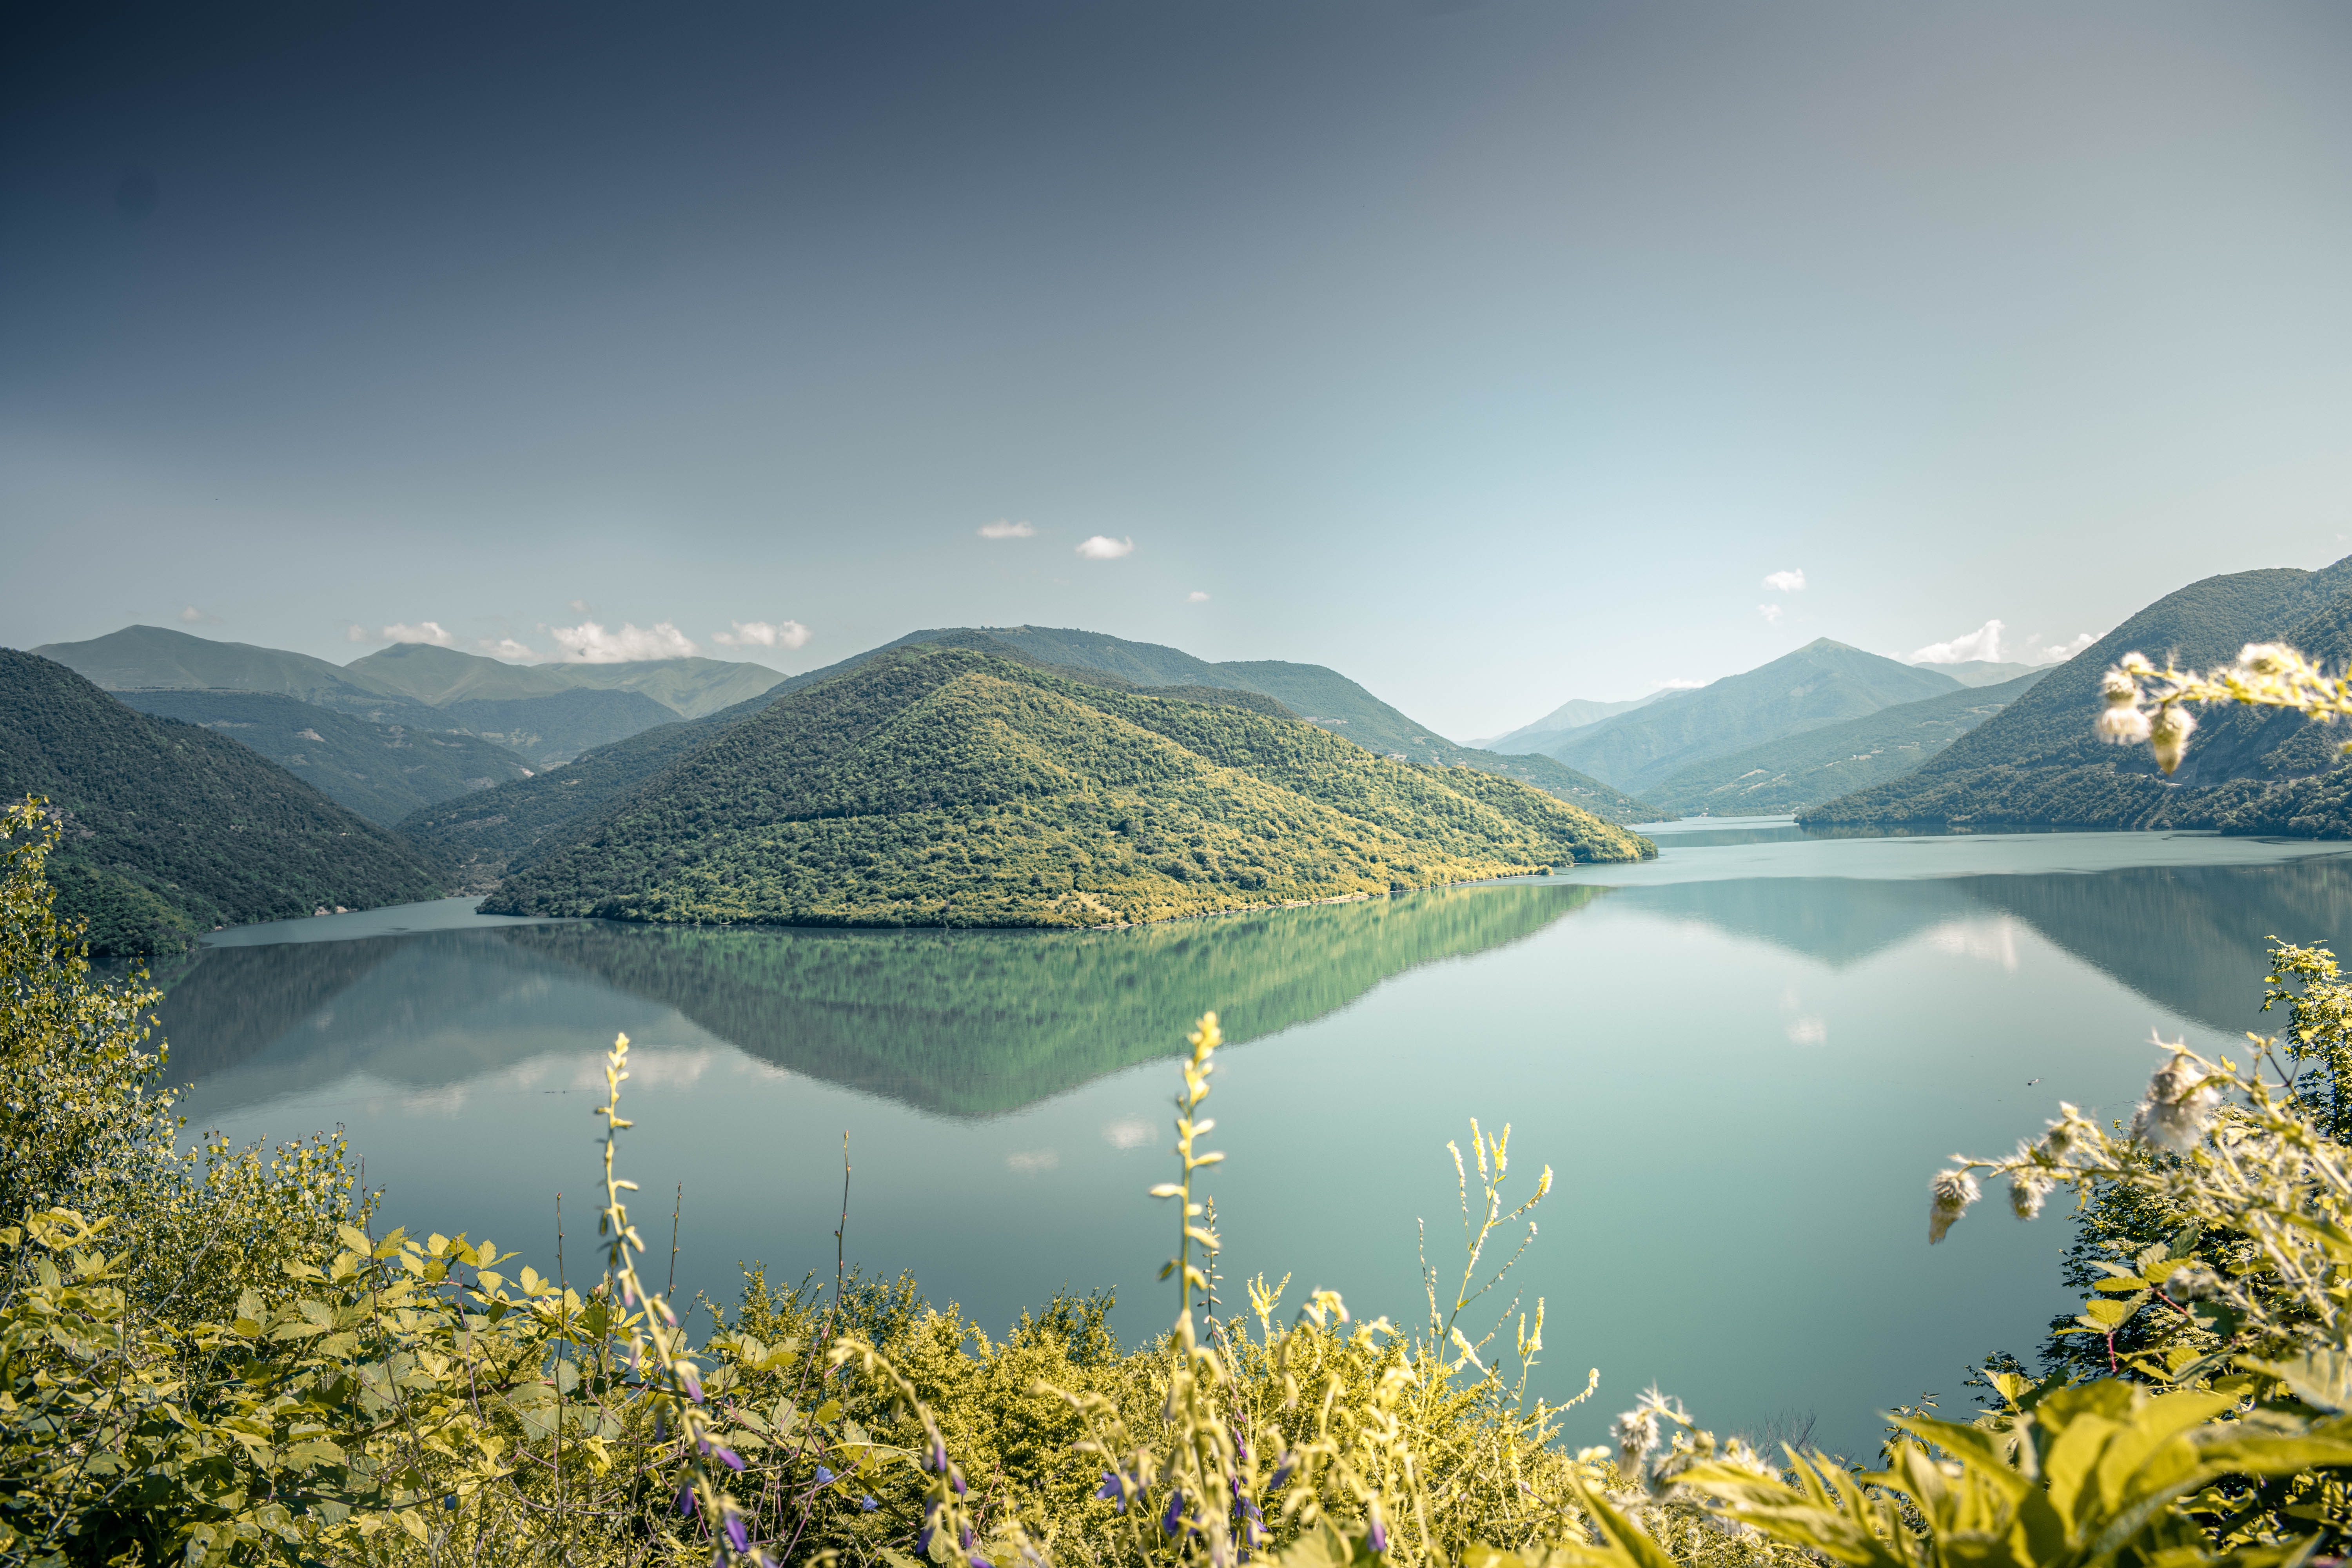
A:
x: 2119, y: 688
x: 1949, y: 1193
x: 2137, y: 664
x: 1635, y: 1433
x: 2168, y: 734
x: 2027, y: 1189
x: 2121, y: 726
x: 2192, y: 1281
x: 2263, y: 659
x: 2179, y: 1105
x: 2070, y: 1134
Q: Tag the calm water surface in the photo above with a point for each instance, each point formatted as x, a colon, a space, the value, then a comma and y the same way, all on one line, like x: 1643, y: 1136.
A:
x: 1742, y: 1060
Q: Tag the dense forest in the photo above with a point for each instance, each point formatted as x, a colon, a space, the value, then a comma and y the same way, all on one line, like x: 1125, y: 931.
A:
x: 942, y: 786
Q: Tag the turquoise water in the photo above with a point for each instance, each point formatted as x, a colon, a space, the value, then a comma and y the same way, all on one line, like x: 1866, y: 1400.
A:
x: 1742, y: 1060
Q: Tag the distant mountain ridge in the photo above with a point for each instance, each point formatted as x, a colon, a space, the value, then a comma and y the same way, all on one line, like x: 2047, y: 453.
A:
x: 171, y: 829
x: 2038, y: 763
x: 1797, y: 771
x: 1573, y: 714
x: 939, y: 785
x: 1822, y: 683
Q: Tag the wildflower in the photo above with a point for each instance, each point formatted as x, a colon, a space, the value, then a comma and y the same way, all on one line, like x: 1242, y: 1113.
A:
x: 1636, y: 1433
x: 1113, y: 1490
x: 1377, y: 1536
x: 923, y: 1542
x: 688, y: 1380
x: 2070, y: 1134
x: 2192, y: 1281
x: 2118, y: 689
x: 2263, y: 658
x: 1282, y: 1471
x: 736, y: 1533
x: 728, y: 1457
x: 939, y: 1456
x: 685, y: 1500
x: 2168, y: 734
x: 1175, y: 1515
x: 2027, y: 1188
x: 2121, y: 726
x: 2179, y: 1105
x: 1949, y: 1193
x: 980, y: 1562
x: 955, y: 1479
x: 826, y: 1478
x: 866, y: 1503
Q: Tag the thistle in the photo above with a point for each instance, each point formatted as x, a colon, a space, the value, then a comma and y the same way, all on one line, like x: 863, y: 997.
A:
x: 1949, y: 1193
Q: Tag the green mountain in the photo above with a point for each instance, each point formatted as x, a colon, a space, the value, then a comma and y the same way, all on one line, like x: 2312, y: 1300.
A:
x: 1985, y: 671
x: 442, y: 677
x: 1820, y: 684
x: 2038, y: 763
x: 1575, y: 714
x: 141, y: 657
x: 383, y: 771
x: 1317, y: 694
x: 551, y: 730
x: 171, y: 829
x: 1786, y: 774
x: 942, y: 786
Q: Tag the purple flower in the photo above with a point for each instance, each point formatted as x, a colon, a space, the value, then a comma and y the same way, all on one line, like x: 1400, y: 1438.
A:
x: 939, y: 1456
x: 955, y: 1479
x: 923, y: 1542
x: 826, y: 1478
x: 685, y: 1500
x: 1113, y: 1490
x: 866, y: 1503
x: 1175, y: 1512
x: 692, y: 1384
x: 736, y: 1534
x: 1282, y: 1471
x: 1376, y: 1538
x: 967, y: 1538
x: 980, y: 1562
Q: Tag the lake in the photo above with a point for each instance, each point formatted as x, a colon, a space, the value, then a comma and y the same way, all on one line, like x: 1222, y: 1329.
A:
x: 1742, y: 1060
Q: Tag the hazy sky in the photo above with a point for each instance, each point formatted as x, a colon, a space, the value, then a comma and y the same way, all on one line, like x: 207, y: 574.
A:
x: 1493, y: 354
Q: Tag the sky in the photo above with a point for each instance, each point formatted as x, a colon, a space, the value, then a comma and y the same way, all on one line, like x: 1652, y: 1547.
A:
x: 1493, y: 354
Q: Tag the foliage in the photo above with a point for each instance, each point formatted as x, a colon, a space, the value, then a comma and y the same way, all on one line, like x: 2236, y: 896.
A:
x: 1795, y: 771
x: 946, y: 787
x: 383, y: 771
x: 1820, y: 684
x: 170, y: 830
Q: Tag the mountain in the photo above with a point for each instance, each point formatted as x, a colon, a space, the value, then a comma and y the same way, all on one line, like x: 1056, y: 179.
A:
x: 1317, y: 694
x: 143, y: 658
x: 1797, y: 771
x: 1985, y: 671
x: 551, y: 730
x: 382, y: 772
x: 171, y: 829
x: 1820, y: 684
x: 443, y: 677
x: 2037, y: 762
x: 1573, y: 714
x: 941, y: 786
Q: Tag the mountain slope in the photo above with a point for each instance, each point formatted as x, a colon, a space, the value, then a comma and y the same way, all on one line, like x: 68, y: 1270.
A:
x: 2037, y: 762
x: 1573, y: 714
x: 942, y: 786
x: 441, y: 677
x: 1985, y: 672
x: 1820, y: 764
x: 139, y: 657
x: 171, y: 829
x: 1819, y: 684
x: 551, y: 729
x: 382, y: 772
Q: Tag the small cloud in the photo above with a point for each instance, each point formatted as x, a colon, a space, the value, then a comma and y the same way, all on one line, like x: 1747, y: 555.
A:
x: 1809, y: 1032
x: 1982, y: 643
x: 1127, y: 1132
x: 1030, y: 1162
x: 1103, y: 547
x: 1005, y: 528
x: 194, y: 616
x: 1679, y: 684
x: 763, y: 633
x: 589, y: 642
x: 579, y: 606
x: 422, y: 631
x: 2055, y: 653
x: 356, y: 633
x: 508, y: 649
x: 1790, y: 582
x: 1771, y: 614
x: 1196, y: 598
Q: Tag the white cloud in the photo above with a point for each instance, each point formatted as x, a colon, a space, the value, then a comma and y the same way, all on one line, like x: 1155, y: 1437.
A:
x: 1771, y: 614
x: 508, y: 648
x: 1127, y: 1132
x: 1196, y: 598
x: 2055, y: 653
x: 1678, y: 684
x: 1793, y: 580
x: 422, y: 631
x: 1982, y: 643
x: 1102, y: 547
x: 579, y: 606
x: 194, y: 616
x: 1807, y: 1032
x: 763, y: 633
x: 1030, y: 1162
x: 356, y: 633
x: 589, y: 642
x: 1005, y: 528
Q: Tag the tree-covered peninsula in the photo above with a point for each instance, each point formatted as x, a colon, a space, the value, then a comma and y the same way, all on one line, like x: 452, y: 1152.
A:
x: 945, y: 786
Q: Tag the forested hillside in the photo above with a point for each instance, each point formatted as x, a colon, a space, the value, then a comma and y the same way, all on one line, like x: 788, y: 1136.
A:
x: 171, y: 829
x: 157, y: 657
x: 1820, y: 684
x: 2038, y: 763
x: 383, y: 771
x: 1820, y: 764
x: 942, y: 786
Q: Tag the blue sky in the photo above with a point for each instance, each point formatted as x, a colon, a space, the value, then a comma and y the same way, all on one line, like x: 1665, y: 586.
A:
x: 1493, y: 353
